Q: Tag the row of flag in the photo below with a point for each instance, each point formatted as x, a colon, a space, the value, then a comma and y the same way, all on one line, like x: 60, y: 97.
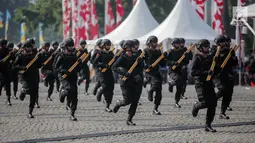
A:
x: 217, y: 12
x: 7, y: 18
x: 83, y: 15
x: 23, y: 28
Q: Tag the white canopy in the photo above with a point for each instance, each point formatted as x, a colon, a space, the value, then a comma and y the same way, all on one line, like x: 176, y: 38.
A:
x: 247, y: 11
x: 139, y: 22
x: 184, y: 22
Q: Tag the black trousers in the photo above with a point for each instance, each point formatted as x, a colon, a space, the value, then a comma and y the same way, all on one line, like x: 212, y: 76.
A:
x: 177, y: 80
x: 207, y: 99
x: 85, y: 75
x: 50, y: 79
x: 157, y: 88
x: 30, y: 88
x: 225, y: 90
x: 131, y: 95
x: 70, y: 90
x: 6, y: 84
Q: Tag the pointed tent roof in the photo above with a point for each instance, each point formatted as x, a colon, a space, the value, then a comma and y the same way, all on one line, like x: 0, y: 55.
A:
x: 139, y: 22
x: 184, y: 22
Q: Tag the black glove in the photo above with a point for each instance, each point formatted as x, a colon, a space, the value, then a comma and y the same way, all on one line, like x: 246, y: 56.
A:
x: 186, y: 54
x: 23, y: 68
x: 127, y: 74
x: 150, y: 67
x: 79, y: 61
x: 175, y: 63
x: 210, y: 72
x: 139, y: 59
x: 165, y: 54
x: 233, y: 53
x: 216, y: 59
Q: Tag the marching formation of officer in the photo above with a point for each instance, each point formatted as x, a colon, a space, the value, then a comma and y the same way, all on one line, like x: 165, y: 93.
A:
x: 68, y: 67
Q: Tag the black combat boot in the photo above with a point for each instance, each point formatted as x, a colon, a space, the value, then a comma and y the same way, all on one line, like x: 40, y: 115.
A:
x: 150, y: 95
x: 208, y: 128
x: 195, y: 109
x: 9, y: 100
x: 99, y: 94
x: 155, y: 111
x: 72, y: 117
x: 129, y: 121
x: 30, y: 115
x: 116, y: 107
x: 223, y: 116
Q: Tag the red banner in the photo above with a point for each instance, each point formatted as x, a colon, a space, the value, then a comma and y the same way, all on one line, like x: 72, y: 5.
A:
x: 75, y: 22
x: 119, y: 12
x: 217, y: 24
x: 109, y: 18
x: 199, y: 6
x: 84, y: 19
x: 94, y: 21
x: 66, y: 18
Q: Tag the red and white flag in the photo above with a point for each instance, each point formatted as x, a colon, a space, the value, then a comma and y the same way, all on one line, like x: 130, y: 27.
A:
x: 134, y: 2
x: 66, y: 18
x: 94, y: 21
x: 84, y: 19
x: 109, y: 18
x: 75, y: 21
x: 199, y: 6
x: 119, y: 12
x: 217, y: 11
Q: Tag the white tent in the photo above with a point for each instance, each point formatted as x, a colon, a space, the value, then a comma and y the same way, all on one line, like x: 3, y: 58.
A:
x: 183, y: 21
x: 247, y: 11
x: 139, y: 22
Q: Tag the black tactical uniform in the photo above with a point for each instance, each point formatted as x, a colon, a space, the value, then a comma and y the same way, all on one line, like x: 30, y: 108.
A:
x: 205, y: 89
x: 57, y: 52
x: 29, y: 79
x: 47, y: 69
x: 105, y: 78
x: 224, y: 79
x: 68, y: 87
x: 84, y: 72
x: 116, y: 76
x: 153, y: 76
x: 132, y: 87
x: 97, y: 50
x: 176, y: 77
x: 34, y: 50
x: 184, y: 70
x: 5, y: 77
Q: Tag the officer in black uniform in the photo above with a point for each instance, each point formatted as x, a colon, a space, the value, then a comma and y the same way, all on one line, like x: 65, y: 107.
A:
x: 5, y: 78
x: 13, y: 73
x: 116, y: 76
x: 29, y: 79
x: 84, y: 72
x: 106, y: 78
x: 184, y: 70
x: 175, y: 75
x: 205, y: 89
x: 224, y: 79
x: 153, y: 76
x: 97, y: 50
x: 57, y: 50
x: 34, y: 50
x: 132, y: 87
x: 68, y: 87
x: 47, y: 69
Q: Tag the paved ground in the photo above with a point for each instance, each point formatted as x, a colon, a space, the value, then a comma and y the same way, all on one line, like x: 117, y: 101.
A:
x: 51, y: 123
